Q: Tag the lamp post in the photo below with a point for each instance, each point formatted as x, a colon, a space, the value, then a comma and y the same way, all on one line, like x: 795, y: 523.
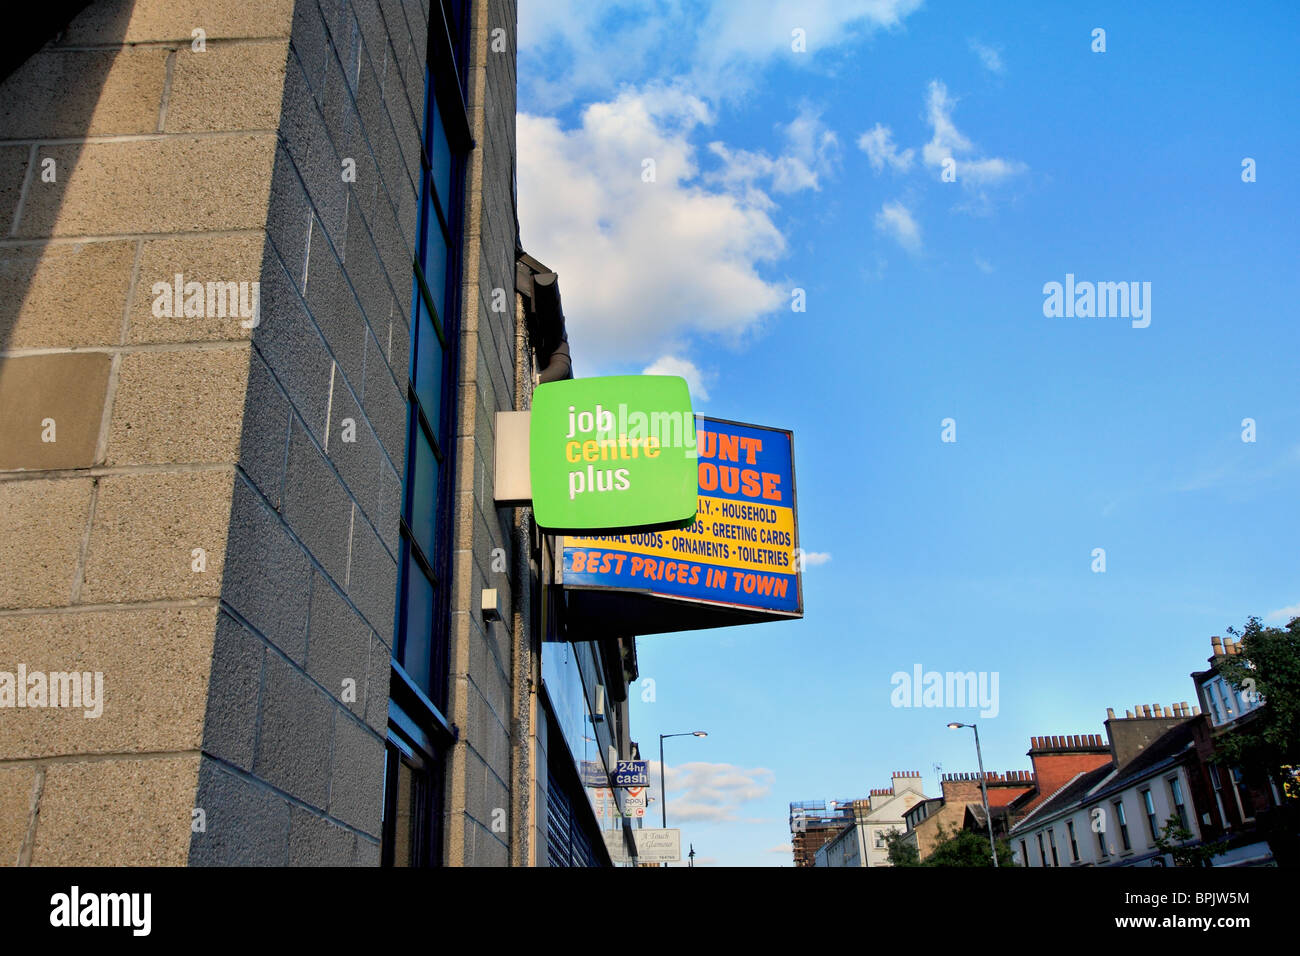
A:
x: 663, y: 789
x: 988, y: 814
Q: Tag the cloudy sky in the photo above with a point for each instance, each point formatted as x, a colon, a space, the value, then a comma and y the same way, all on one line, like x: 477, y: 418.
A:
x: 839, y: 218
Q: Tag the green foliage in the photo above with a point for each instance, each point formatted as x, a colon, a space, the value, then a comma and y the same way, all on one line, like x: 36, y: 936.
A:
x: 1268, y: 666
x: 901, y: 853
x: 967, y: 848
x: 1173, y: 836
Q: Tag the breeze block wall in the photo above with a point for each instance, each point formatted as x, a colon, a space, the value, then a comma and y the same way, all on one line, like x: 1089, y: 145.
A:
x: 203, y: 356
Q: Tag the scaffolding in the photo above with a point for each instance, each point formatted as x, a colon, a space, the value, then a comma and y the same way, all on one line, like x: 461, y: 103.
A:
x: 814, y: 823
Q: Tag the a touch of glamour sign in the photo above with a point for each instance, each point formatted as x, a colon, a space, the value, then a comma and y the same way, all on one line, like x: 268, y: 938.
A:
x: 617, y: 452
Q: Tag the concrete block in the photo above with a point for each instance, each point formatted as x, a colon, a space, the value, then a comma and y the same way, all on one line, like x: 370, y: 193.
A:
x: 373, y: 583
x: 357, y: 460
x: 154, y: 665
x: 13, y: 170
x: 367, y: 852
x: 357, y: 775
x: 183, y: 407
x: 293, y: 348
x: 316, y: 505
x: 288, y: 220
x: 68, y: 94
x: 117, y: 812
x: 247, y: 824
x: 296, y: 736
x: 315, y: 841
x: 386, y: 407
x: 137, y: 21
x: 377, y: 688
x: 145, y: 532
x: 234, y: 688
x: 89, y: 280
x: 388, y: 519
x: 67, y: 388
x: 369, y: 278
x: 335, y: 310
x: 179, y: 184
x: 267, y: 575
x: 41, y: 526
x: 265, y: 438
x: 338, y: 645
x: 17, y: 784
x: 230, y: 86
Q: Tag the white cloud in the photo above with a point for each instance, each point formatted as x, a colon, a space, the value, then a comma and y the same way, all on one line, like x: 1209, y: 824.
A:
x: 983, y: 265
x: 878, y: 144
x: 989, y: 56
x: 1283, y: 615
x: 812, y: 151
x: 672, y: 365
x: 812, y: 559
x: 572, y: 48
x: 947, y: 142
x: 894, y: 219
x: 711, y: 791
x: 787, y: 848
x: 644, y: 264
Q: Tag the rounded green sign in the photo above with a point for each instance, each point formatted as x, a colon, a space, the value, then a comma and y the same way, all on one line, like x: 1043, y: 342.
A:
x: 613, y: 454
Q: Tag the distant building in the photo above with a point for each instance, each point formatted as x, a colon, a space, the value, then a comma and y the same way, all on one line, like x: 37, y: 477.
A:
x: 862, y: 842
x: 1161, y: 765
x: 929, y: 822
x: 814, y: 823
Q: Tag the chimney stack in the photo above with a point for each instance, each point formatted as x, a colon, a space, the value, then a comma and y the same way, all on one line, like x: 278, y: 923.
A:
x: 1216, y: 645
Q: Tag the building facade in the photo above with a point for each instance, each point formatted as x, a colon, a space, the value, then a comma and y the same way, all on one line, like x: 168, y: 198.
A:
x: 1162, y: 767
x: 261, y: 298
x: 863, y: 842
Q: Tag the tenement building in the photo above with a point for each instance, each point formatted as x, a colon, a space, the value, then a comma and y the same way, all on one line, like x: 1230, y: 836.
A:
x: 262, y: 295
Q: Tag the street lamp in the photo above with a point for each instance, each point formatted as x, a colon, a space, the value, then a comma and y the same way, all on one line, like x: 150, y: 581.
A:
x: 663, y: 789
x: 988, y: 815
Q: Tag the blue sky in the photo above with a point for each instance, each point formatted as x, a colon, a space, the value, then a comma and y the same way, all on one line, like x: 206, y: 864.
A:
x: 822, y: 170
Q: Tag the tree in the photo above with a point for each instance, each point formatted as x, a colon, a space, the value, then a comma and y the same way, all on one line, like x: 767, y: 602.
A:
x: 1173, y: 838
x: 967, y: 848
x: 1268, y: 745
x: 901, y: 853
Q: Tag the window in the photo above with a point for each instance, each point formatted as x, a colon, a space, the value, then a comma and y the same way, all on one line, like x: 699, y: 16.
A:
x: 1217, y: 783
x: 1123, y: 823
x: 1212, y: 703
x: 1042, y: 857
x: 1149, y: 803
x: 1099, y: 816
x: 1074, y: 847
x: 1024, y: 854
x: 1244, y: 803
x: 1051, y: 839
x: 1176, y: 798
x: 418, y: 729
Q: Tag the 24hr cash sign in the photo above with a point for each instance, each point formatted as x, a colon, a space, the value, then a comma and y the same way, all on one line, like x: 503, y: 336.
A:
x: 613, y: 454
x: 739, y: 551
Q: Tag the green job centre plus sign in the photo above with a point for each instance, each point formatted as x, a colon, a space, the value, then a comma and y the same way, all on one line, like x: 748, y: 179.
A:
x: 613, y: 454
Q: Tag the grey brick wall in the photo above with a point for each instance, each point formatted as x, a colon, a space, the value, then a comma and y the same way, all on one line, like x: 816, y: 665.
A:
x: 291, y: 771
x: 483, y: 700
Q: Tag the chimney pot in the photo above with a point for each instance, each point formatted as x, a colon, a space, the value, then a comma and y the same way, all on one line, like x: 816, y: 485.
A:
x: 1216, y: 645
x: 1110, y: 713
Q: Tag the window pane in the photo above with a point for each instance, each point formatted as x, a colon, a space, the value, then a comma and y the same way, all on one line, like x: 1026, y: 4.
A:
x: 434, y: 264
x: 424, y: 495
x: 439, y: 155
x: 428, y: 368
x: 417, y: 649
